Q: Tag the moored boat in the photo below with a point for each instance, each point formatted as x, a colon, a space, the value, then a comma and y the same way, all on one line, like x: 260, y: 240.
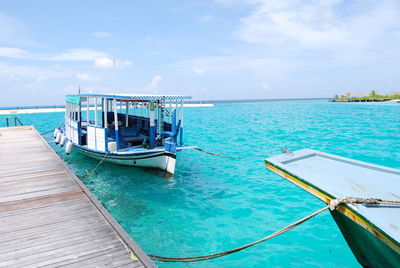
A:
x: 125, y: 129
x: 371, y: 231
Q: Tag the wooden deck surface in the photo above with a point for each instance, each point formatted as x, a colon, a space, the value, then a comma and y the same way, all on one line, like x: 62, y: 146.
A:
x: 47, y: 216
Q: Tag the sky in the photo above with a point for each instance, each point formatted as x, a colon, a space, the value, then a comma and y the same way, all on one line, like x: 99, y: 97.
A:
x: 217, y: 49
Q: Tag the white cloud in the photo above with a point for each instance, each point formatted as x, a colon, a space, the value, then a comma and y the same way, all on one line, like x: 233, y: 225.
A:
x: 208, y: 18
x: 21, y: 73
x: 78, y: 54
x: 198, y: 71
x: 106, y: 62
x: 235, y: 65
x: 101, y: 59
x: 235, y: 2
x: 320, y: 24
x: 13, y: 52
x: 264, y: 86
x: 123, y: 63
x: 88, y: 77
x: 14, y: 32
x: 154, y: 40
x: 155, y: 82
x: 101, y: 34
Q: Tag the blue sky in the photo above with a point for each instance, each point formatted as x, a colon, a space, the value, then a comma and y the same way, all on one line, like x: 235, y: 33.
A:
x: 222, y: 49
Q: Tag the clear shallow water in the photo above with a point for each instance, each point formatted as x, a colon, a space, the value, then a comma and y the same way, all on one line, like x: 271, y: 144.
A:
x: 214, y: 203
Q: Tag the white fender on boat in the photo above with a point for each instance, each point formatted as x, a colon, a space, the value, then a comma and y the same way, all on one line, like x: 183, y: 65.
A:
x: 112, y: 146
x: 171, y: 162
x: 62, y: 141
x: 58, y: 137
x: 68, y: 147
x: 56, y: 130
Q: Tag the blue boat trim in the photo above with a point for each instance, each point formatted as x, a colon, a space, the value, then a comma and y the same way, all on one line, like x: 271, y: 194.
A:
x: 127, y: 156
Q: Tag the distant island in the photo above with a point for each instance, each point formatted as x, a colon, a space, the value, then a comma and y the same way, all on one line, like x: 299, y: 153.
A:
x: 372, y: 97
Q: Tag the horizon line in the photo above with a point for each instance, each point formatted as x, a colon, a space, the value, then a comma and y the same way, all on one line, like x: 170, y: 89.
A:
x: 191, y: 101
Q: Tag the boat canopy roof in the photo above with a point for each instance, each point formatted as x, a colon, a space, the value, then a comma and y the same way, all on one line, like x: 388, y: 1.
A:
x: 141, y: 97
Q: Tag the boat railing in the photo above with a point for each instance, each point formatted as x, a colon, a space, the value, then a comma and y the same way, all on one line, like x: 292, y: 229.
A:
x: 16, y: 121
x: 72, y: 130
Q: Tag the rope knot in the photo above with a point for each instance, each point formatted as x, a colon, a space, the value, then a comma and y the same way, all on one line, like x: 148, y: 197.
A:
x: 335, y: 203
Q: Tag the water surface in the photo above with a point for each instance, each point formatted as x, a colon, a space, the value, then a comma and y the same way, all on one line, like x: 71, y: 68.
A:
x: 213, y: 203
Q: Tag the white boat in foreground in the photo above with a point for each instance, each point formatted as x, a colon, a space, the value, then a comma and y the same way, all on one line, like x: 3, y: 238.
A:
x: 133, y: 130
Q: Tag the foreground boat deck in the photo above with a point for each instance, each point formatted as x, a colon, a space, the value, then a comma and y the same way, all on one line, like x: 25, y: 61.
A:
x: 47, y: 216
x: 372, y: 231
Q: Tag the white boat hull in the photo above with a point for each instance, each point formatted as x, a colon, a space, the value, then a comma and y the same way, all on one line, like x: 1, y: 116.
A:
x: 160, y: 160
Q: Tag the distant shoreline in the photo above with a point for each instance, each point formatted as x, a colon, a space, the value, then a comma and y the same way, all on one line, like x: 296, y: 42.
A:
x: 366, y: 100
x: 255, y: 100
x: 194, y: 102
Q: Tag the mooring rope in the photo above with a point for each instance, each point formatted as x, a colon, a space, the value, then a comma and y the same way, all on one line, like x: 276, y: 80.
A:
x: 46, y: 132
x: 51, y: 130
x: 285, y: 150
x: 207, y: 152
x: 88, y: 174
x: 332, y: 206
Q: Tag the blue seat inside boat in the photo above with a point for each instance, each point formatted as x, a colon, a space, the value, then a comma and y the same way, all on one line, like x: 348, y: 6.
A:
x: 129, y: 131
x: 134, y: 121
x: 136, y: 133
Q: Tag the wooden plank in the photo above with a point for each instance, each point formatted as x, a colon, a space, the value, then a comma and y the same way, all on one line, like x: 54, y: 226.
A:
x: 35, y: 185
x: 30, y: 170
x: 58, y: 229
x: 38, y: 175
x: 33, y: 180
x: 44, y: 248
x: 102, y: 259
x: 43, y: 213
x: 53, y: 208
x: 40, y: 200
x: 48, y: 191
x: 20, y: 152
x: 50, y: 254
x: 53, y: 235
x: 14, y: 161
x: 48, y: 221
x: 48, y: 217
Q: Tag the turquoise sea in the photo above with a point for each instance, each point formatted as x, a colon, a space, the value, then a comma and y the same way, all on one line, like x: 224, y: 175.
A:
x: 213, y: 203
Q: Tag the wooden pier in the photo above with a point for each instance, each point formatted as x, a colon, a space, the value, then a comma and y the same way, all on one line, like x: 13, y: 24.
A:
x: 48, y: 218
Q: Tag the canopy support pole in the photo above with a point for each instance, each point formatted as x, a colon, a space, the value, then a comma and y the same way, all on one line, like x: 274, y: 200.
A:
x: 126, y: 114
x: 152, y: 125
x: 87, y: 111
x: 105, y: 113
x: 116, y: 124
x: 181, y: 128
x: 95, y: 112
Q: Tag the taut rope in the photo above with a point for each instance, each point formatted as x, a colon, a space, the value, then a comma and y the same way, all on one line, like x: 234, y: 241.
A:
x: 88, y: 174
x: 332, y: 206
x: 207, y: 152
